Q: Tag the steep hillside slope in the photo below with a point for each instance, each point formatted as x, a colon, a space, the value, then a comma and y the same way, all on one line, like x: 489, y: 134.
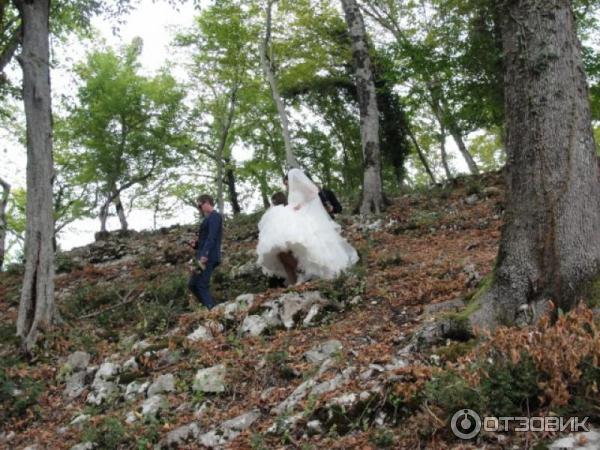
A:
x: 352, y: 363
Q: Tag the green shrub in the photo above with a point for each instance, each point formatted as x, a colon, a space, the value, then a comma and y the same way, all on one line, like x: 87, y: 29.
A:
x: 473, y: 186
x: 452, y: 392
x: 165, y: 290
x: 90, y: 298
x: 15, y: 269
x: 510, y: 389
x: 162, y: 303
x: 8, y: 334
x: 63, y: 263
x: 109, y: 433
x: 584, y: 394
x: 17, y: 395
x: 505, y: 388
x: 383, y: 438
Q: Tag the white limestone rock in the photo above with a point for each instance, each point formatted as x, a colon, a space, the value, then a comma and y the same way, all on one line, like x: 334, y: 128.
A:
x: 164, y: 383
x: 211, y: 379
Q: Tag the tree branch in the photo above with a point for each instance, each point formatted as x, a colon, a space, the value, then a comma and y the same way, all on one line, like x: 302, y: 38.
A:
x: 7, y: 53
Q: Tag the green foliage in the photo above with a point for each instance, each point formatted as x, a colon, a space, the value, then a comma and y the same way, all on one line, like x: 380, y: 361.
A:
x: 454, y: 350
x: 162, y: 304
x: 584, y: 393
x: 489, y: 150
x: 125, y: 129
x: 505, y: 389
x: 383, y: 438
x: 15, y: 269
x: 64, y: 263
x: 591, y: 293
x: 424, y: 219
x: 17, y: 394
x: 452, y: 392
x: 108, y: 433
x: 89, y: 298
x: 257, y: 442
x: 510, y: 389
x: 150, y: 435
x: 15, y: 220
x: 8, y: 334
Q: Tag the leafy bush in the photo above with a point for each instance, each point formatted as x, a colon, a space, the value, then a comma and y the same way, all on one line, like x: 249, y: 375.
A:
x: 90, y: 298
x: 15, y: 269
x: 17, y: 394
x: 165, y: 290
x: 383, y: 438
x: 109, y: 433
x: 547, y: 367
x: 162, y: 303
x: 64, y: 263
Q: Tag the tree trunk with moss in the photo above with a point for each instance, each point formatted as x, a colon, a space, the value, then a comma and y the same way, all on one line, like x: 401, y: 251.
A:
x: 549, y: 249
x: 36, y: 308
x: 372, y: 194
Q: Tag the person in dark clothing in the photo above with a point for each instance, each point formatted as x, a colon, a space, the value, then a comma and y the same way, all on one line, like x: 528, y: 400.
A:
x: 328, y: 198
x: 330, y: 201
x: 208, y: 251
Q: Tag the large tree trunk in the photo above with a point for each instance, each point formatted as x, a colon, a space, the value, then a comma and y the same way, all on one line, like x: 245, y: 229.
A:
x: 3, y: 224
x: 549, y: 248
x: 36, y: 309
x: 372, y: 195
x: 265, y: 61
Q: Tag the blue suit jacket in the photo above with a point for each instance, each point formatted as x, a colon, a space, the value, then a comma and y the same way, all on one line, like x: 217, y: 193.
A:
x: 209, y: 237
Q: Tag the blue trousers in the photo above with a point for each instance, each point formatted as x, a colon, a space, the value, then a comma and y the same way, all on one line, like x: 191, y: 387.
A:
x: 199, y: 284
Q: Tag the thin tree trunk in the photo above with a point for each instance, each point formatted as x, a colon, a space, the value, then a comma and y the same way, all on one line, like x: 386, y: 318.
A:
x: 444, y: 153
x: 421, y: 154
x: 120, y: 212
x: 103, y: 216
x: 112, y: 197
x: 549, y: 249
x: 233, y: 195
x: 372, y: 194
x: 448, y: 123
x: 3, y: 224
x: 265, y: 61
x: 264, y: 189
x: 220, y: 154
x: 462, y: 148
x: 387, y: 21
x: 36, y: 308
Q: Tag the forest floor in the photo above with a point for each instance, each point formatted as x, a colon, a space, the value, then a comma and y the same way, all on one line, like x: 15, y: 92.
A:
x: 126, y: 297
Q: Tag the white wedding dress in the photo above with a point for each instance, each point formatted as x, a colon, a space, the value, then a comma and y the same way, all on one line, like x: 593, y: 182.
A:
x: 308, y: 232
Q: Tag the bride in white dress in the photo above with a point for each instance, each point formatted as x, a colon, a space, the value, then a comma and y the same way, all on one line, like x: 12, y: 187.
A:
x: 304, y: 230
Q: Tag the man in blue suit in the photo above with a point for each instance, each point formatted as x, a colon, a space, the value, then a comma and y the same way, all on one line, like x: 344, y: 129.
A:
x: 208, y: 250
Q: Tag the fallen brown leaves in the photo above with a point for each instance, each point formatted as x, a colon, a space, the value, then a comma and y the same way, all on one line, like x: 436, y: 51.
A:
x: 410, y: 264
